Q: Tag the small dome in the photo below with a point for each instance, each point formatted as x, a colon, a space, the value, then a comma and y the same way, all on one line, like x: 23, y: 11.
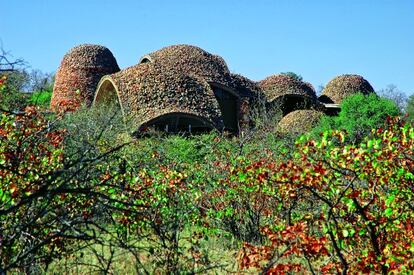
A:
x: 344, y: 85
x: 190, y: 60
x: 79, y: 73
x: 299, y: 121
x: 281, y: 85
x: 146, y: 91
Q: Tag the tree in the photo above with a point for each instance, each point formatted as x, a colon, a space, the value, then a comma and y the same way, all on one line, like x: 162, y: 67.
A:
x: 48, y: 198
x: 14, y: 78
x: 40, y: 81
x: 7, y: 64
x: 350, y: 206
x: 294, y: 75
x: 393, y: 93
x: 359, y: 114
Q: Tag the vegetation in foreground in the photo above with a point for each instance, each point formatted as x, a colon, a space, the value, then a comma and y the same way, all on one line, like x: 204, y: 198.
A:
x: 79, y: 195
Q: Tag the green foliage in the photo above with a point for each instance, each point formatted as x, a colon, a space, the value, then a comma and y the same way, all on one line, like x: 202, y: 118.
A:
x: 86, y: 187
x: 359, y: 114
x: 16, y: 85
x: 41, y: 98
x: 11, y: 98
x: 410, y: 108
x: 351, y: 204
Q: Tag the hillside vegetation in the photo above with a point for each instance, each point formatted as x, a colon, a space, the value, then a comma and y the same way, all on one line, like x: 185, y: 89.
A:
x: 79, y: 194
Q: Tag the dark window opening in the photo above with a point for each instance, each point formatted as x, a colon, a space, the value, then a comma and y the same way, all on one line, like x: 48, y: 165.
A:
x: 229, y: 108
x: 145, y: 60
x: 289, y: 104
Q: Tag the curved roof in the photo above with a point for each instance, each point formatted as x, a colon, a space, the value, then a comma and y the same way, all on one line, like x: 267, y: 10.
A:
x: 89, y: 56
x: 151, y: 115
x: 79, y: 73
x: 299, y: 121
x: 190, y: 60
x: 147, y: 91
x: 281, y: 85
x: 345, y: 85
x: 245, y: 86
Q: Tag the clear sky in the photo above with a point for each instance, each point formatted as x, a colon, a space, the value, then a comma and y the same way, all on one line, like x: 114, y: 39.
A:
x: 317, y: 39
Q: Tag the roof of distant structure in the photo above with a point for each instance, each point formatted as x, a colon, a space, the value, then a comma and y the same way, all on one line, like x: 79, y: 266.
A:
x: 279, y: 85
x: 345, y: 85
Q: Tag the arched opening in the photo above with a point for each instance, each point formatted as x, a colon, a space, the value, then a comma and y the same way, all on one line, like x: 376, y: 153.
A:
x: 229, y: 103
x: 106, y: 95
x: 145, y: 59
x: 290, y: 103
x: 325, y: 99
x: 177, y: 123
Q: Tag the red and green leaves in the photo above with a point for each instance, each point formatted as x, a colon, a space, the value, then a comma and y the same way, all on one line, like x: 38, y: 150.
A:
x: 359, y: 198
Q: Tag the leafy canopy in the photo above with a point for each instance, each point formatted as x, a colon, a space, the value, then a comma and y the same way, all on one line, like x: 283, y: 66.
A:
x: 359, y: 113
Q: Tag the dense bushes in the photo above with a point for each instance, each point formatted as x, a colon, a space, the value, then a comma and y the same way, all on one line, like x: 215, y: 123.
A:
x: 41, y: 98
x: 351, y: 204
x: 187, y: 204
x: 79, y: 193
x: 359, y: 114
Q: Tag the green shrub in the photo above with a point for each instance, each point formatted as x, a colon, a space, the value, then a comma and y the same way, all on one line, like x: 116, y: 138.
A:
x: 410, y: 108
x: 41, y: 98
x: 359, y: 114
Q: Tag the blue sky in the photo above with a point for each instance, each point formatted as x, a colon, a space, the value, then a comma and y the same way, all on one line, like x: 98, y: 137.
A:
x: 317, y: 39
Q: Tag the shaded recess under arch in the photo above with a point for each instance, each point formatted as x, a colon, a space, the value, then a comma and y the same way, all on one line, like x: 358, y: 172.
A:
x: 177, y: 122
x: 229, y: 102
x: 292, y: 102
x: 107, y: 94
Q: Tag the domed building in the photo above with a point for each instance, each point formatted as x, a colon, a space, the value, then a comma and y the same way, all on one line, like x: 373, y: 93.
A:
x: 183, y: 88
x: 345, y: 85
x: 288, y: 93
x: 191, y: 60
x: 164, y: 99
x: 234, y: 93
x: 79, y: 73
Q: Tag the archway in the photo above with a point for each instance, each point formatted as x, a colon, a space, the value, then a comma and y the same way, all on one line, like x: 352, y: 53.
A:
x: 229, y: 103
x: 290, y: 103
x: 145, y: 59
x: 107, y: 95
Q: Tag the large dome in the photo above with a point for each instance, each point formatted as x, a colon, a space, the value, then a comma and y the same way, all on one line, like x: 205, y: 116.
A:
x: 79, y: 73
x: 344, y: 85
x: 148, y: 93
x: 190, y: 60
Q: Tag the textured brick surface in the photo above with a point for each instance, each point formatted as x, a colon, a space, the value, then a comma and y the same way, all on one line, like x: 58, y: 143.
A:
x: 345, y: 85
x: 299, y: 121
x: 79, y: 73
x: 147, y: 91
x: 192, y: 60
x: 280, y: 85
